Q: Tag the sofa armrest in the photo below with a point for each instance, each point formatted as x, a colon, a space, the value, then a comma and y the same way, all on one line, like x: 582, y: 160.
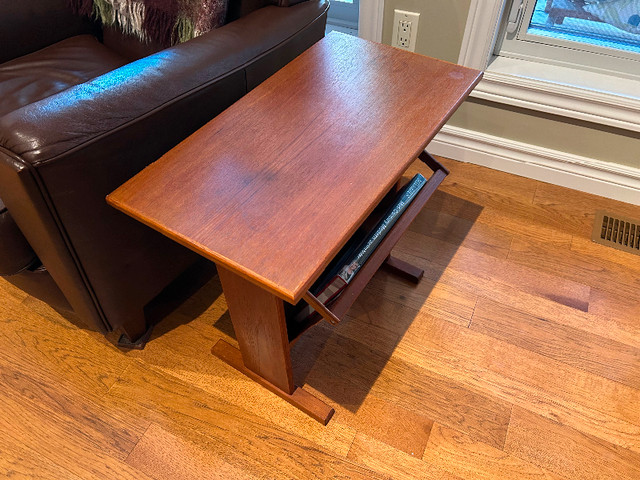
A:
x: 27, y: 26
x: 74, y: 118
x: 81, y: 144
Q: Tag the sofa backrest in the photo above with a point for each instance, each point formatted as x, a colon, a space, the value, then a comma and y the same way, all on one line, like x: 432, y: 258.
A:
x: 132, y: 48
x: 240, y: 8
x: 49, y: 22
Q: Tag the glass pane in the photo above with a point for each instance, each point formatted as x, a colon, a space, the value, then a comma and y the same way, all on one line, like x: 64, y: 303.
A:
x: 605, y: 23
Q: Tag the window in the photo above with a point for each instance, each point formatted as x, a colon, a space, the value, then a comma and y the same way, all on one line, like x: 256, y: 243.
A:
x: 344, y: 13
x: 598, y: 35
x: 569, y: 86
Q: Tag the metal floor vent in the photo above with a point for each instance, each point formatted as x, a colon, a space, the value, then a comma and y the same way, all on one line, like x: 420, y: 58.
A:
x: 617, y: 232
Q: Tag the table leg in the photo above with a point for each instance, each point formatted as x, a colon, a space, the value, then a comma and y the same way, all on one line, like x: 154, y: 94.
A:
x: 405, y: 270
x: 260, y: 326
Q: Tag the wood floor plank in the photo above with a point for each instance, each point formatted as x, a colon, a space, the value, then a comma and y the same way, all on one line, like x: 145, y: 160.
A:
x: 398, y: 465
x: 65, y: 441
x: 509, y: 215
x: 181, y: 352
x: 455, y: 230
x: 498, y: 205
x: 506, y: 202
x: 60, y: 400
x: 165, y: 456
x: 561, y: 308
x: 449, y: 402
x: 567, y: 452
x: 570, y: 204
x: 555, y: 378
x: 403, y: 429
x: 67, y: 350
x: 242, y: 440
x: 457, y: 453
x: 542, y: 284
x: 623, y: 310
x: 433, y: 357
x: 494, y: 181
x: 18, y: 462
x: 347, y: 381
x: 428, y: 296
x: 377, y: 314
x: 604, y: 254
x: 443, y: 202
x: 575, y: 266
x: 583, y: 350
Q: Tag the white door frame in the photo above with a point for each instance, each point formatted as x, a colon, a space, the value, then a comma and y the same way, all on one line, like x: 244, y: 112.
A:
x: 370, y: 22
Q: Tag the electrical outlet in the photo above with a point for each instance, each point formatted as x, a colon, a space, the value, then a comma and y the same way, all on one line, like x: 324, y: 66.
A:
x: 405, y: 30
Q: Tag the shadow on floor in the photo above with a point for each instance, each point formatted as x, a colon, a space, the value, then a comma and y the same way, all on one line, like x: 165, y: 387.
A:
x: 340, y: 362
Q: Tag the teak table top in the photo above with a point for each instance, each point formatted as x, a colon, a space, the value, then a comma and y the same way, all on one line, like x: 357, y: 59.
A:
x: 275, y: 185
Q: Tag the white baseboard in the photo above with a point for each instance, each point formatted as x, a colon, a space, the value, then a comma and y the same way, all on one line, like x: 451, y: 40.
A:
x: 552, y: 166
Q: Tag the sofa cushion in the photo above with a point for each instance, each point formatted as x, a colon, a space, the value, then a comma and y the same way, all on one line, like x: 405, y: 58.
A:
x: 53, y: 69
x: 16, y: 254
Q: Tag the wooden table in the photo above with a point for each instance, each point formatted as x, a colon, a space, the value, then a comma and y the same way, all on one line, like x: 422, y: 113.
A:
x: 272, y: 188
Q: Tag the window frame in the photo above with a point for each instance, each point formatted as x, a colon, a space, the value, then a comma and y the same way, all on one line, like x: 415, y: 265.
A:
x: 344, y: 14
x: 525, y: 45
x: 596, y: 96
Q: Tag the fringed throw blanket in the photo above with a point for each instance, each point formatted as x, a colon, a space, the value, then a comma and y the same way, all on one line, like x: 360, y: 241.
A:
x: 164, y: 21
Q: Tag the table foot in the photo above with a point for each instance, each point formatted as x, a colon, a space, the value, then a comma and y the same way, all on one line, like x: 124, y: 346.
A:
x: 300, y: 398
x: 138, y: 344
x: 404, y: 269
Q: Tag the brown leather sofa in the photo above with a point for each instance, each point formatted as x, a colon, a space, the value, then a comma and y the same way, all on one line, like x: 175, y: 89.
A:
x: 83, y: 109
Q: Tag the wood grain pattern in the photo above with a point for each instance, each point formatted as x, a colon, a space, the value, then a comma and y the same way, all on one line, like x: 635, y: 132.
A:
x: 429, y: 296
x: 557, y: 379
x: 401, y: 428
x: 566, y: 452
x: 506, y: 213
x: 560, y: 308
x: 36, y: 389
x: 261, y: 330
x: 458, y: 453
x: 522, y: 391
x: 572, y: 265
x: 403, y: 384
x: 622, y: 310
x: 398, y: 465
x: 455, y: 230
x: 568, y: 292
x: 60, y: 349
x: 299, y: 398
x: 254, y: 182
x: 604, y: 254
x: 241, y: 439
x: 21, y: 462
x: 76, y: 405
x: 579, y: 208
x: 603, y: 357
x: 178, y: 351
x: 163, y: 455
x: 62, y: 440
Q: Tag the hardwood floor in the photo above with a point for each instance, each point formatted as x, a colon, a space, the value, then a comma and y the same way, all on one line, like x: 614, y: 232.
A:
x: 517, y: 356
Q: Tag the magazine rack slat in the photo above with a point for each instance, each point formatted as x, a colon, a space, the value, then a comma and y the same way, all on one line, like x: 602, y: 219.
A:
x: 382, y: 253
x: 380, y: 257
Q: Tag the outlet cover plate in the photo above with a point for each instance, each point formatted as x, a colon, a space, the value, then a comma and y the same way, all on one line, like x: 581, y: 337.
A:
x: 405, y: 29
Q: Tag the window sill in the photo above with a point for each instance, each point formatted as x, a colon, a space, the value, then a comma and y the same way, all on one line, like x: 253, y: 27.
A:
x: 562, y: 91
x: 594, y: 97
